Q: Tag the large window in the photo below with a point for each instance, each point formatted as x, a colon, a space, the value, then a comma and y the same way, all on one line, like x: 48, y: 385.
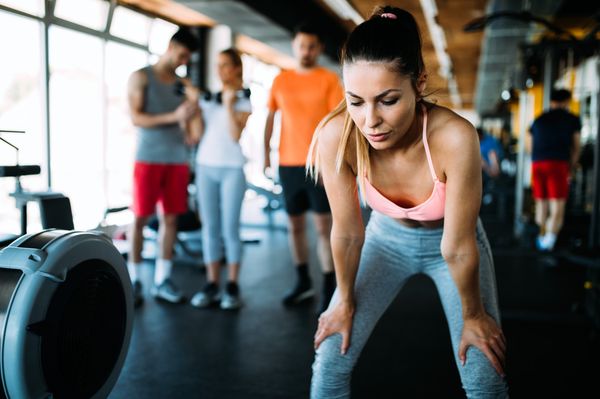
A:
x: 21, y: 108
x: 131, y: 25
x: 91, y: 139
x: 76, y: 124
x: 160, y: 34
x: 89, y: 13
x: 120, y: 133
x: 260, y: 76
x: 35, y: 7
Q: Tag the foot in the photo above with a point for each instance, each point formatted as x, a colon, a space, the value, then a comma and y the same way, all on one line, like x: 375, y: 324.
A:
x: 207, y: 297
x: 300, y: 293
x: 540, y: 243
x: 167, y: 291
x: 138, y: 296
x: 231, y: 297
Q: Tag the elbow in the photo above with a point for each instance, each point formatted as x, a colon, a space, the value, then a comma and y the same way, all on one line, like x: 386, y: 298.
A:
x: 455, y: 253
x: 137, y: 121
x: 348, y: 239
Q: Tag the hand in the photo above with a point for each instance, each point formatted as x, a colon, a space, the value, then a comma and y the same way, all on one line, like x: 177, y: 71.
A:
x: 483, y: 333
x: 192, y: 93
x: 190, y: 141
x: 337, y: 319
x: 185, y: 111
x: 267, y: 167
x: 228, y: 97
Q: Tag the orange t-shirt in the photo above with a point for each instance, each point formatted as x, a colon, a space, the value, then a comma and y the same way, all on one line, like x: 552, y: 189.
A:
x: 304, y: 99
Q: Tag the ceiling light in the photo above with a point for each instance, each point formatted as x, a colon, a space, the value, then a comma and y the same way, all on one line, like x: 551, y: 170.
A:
x: 345, y: 10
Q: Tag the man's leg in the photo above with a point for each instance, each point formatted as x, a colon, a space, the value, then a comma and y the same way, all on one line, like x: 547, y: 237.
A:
x: 319, y: 203
x: 164, y: 288
x: 174, y: 202
x: 297, y: 238
x: 540, y: 195
x: 555, y: 221
x: 323, y: 225
x: 296, y: 204
x: 167, y: 230
x: 299, y: 247
x: 541, y: 214
x: 558, y: 190
x: 136, y: 240
x: 145, y: 195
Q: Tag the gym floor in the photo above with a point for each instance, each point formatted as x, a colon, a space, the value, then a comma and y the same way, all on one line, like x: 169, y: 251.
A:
x: 265, y: 350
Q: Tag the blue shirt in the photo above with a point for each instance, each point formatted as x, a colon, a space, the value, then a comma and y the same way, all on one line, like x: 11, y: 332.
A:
x: 487, y: 144
x: 552, y: 134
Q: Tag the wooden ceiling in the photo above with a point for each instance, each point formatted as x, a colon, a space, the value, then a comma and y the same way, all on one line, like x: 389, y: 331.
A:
x: 463, y: 48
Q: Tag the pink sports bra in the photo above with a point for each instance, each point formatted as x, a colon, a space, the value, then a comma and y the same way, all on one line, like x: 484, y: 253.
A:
x: 431, y: 209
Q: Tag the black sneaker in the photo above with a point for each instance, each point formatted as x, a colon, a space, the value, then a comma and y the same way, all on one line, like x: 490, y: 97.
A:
x: 230, y: 299
x: 301, y: 292
x: 167, y: 291
x: 207, y: 297
x: 138, y: 296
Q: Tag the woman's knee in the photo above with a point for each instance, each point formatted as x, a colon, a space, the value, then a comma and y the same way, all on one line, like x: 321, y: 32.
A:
x: 329, y: 363
x: 480, y: 379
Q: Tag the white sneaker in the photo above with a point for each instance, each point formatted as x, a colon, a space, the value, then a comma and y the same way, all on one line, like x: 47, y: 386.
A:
x: 167, y: 291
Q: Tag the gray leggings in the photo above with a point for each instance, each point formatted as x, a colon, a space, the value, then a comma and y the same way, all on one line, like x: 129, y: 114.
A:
x: 220, y: 195
x: 390, y: 255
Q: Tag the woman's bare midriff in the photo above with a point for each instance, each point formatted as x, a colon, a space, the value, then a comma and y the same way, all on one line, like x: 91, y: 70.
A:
x: 434, y: 224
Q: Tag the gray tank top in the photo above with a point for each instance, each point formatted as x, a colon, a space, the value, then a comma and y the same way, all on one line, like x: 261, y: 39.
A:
x: 165, y: 143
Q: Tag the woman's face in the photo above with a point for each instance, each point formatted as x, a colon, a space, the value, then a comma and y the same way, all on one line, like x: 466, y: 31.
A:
x: 228, y: 71
x: 380, y: 101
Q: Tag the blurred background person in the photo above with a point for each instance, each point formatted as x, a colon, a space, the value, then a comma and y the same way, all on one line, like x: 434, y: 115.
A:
x: 554, y: 147
x: 221, y: 183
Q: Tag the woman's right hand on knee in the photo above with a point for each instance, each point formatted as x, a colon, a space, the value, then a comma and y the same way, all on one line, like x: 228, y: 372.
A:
x: 336, y: 320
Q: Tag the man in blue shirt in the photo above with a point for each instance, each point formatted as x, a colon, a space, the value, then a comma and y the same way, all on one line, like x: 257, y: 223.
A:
x: 554, y: 152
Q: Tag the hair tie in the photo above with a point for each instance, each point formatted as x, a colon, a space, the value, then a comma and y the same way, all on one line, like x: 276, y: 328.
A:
x: 389, y: 15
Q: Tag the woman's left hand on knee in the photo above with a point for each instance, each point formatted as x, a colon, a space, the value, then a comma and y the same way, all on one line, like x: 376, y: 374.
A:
x: 484, y: 333
x: 337, y: 319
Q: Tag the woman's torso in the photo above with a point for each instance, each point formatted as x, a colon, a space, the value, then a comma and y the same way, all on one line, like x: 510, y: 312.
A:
x: 217, y: 147
x: 405, y: 178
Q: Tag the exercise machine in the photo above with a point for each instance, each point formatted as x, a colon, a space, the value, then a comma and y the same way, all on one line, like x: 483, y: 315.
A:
x: 66, y: 313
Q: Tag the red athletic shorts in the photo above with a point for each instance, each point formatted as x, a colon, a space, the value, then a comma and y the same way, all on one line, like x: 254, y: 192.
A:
x: 160, y: 183
x: 550, y: 179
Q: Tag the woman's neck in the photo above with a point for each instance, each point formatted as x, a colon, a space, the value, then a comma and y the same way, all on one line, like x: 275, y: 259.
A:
x: 235, y: 85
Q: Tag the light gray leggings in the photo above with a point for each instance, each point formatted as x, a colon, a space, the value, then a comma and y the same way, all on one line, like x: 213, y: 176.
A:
x: 220, y: 195
x: 390, y: 255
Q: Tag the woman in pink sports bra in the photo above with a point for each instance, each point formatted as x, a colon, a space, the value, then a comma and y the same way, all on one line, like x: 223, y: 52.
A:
x: 418, y: 167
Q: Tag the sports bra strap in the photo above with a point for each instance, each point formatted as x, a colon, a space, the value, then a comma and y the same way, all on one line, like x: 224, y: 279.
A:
x: 429, y: 162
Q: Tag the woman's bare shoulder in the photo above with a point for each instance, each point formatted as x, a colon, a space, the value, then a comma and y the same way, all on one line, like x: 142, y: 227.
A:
x: 449, y: 130
x: 330, y: 132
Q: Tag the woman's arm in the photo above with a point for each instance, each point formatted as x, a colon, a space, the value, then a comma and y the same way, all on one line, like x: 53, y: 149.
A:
x: 237, y: 119
x: 461, y: 162
x: 193, y: 127
x: 347, y: 233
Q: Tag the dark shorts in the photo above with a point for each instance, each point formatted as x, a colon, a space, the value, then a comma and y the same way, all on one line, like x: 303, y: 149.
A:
x: 300, y: 191
x: 160, y: 183
x: 550, y: 179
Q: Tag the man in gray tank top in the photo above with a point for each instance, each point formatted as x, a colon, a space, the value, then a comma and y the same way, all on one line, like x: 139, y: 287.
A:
x: 168, y: 122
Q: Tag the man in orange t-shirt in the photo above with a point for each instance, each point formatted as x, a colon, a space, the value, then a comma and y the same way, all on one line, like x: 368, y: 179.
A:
x: 304, y: 96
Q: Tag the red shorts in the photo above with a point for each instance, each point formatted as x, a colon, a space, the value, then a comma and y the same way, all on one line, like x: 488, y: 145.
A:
x: 160, y: 183
x: 550, y: 179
